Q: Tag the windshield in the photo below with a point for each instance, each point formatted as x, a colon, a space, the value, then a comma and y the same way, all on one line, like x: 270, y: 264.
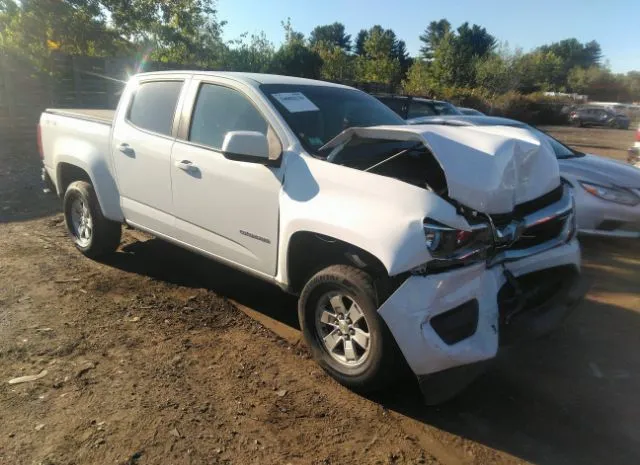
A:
x: 317, y: 114
x: 561, y: 150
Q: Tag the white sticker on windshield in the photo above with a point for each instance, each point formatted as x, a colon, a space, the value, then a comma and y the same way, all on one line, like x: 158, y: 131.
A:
x: 295, y: 102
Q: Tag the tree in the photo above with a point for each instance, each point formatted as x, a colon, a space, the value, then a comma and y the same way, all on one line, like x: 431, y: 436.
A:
x: 337, y: 65
x: 331, y: 35
x: 432, y: 36
x: 599, y: 83
x: 378, y: 62
x: 361, y: 38
x: 447, y: 68
x: 382, y: 57
x: 495, y: 73
x: 418, y: 80
x: 253, y: 56
x: 294, y: 58
x: 592, y: 54
x: 173, y: 31
x: 399, y: 51
x: 474, y: 42
x: 632, y: 83
x: 572, y: 53
x: 184, y: 31
x: 453, y: 55
x: 540, y: 71
x: 35, y: 28
x: 290, y: 35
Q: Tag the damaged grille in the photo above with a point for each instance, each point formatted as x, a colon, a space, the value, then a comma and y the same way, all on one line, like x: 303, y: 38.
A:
x: 539, y: 234
x: 534, y: 226
x: 529, y: 297
x: 529, y: 207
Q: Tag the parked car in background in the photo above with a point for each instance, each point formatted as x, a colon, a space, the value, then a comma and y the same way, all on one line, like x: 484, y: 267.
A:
x: 433, y: 246
x: 634, y: 152
x: 606, y: 191
x: 415, y: 107
x: 598, y: 116
x: 470, y: 111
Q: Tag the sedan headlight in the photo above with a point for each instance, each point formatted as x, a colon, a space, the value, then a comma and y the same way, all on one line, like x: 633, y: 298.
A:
x: 612, y: 194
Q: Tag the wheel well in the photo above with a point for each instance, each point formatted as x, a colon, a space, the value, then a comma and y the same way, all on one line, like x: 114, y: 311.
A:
x: 309, y: 253
x: 68, y: 173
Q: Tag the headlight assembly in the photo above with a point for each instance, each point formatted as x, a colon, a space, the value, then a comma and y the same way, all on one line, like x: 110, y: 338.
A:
x: 449, y: 243
x: 612, y: 194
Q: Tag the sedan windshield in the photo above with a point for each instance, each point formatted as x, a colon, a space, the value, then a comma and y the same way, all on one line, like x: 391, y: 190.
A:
x: 561, y: 150
x: 317, y: 114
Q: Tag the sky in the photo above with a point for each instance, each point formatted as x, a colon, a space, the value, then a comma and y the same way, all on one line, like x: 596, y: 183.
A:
x: 524, y: 24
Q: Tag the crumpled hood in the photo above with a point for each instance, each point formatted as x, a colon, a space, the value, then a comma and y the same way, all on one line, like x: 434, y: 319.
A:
x: 601, y: 170
x: 488, y: 168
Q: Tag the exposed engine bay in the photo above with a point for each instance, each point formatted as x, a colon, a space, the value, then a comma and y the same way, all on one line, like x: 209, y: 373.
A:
x: 406, y: 161
x: 489, y: 169
x: 447, y: 163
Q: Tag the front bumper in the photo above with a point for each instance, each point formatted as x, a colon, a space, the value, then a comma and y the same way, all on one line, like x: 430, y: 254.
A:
x: 597, y: 217
x: 410, y: 310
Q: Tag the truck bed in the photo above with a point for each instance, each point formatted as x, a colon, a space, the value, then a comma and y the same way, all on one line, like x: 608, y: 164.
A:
x: 96, y: 116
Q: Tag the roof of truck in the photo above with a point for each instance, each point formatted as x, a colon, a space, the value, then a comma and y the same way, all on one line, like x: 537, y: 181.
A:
x: 252, y: 79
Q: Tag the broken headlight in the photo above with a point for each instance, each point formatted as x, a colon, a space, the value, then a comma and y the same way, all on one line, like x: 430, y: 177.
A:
x: 456, y: 245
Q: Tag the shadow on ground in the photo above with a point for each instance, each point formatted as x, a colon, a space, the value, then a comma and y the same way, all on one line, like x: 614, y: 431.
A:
x: 569, y: 398
x: 21, y: 196
x: 164, y: 261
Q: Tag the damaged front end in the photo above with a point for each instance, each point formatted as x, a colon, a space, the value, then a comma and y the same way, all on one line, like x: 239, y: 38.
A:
x: 511, y: 273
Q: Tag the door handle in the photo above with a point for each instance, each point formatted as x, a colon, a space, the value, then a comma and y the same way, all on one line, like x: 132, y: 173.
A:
x: 186, y: 165
x: 126, y: 149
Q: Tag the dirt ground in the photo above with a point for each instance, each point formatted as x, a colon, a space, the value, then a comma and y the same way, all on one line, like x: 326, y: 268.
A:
x: 145, y: 360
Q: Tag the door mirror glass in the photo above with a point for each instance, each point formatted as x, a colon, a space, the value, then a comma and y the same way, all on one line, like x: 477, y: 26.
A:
x: 248, y: 146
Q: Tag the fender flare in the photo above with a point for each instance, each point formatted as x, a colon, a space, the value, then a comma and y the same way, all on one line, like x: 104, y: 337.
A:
x: 87, y: 157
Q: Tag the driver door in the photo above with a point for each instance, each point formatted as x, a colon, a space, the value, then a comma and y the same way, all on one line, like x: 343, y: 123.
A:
x: 228, y: 208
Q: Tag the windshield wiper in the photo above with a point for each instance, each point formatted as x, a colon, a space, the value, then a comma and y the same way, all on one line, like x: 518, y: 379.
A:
x: 399, y: 154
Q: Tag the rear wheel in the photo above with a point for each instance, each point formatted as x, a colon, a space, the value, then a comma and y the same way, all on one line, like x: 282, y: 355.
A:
x: 92, y: 233
x: 346, y: 335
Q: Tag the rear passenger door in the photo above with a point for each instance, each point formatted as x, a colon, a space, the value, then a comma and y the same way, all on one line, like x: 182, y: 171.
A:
x: 590, y: 115
x: 225, y: 207
x: 143, y: 136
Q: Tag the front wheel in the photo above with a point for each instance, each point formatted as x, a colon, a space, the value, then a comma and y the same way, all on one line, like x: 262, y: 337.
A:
x: 92, y: 233
x: 346, y: 335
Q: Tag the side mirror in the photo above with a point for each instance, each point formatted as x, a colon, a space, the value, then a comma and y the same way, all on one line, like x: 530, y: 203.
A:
x: 247, y: 146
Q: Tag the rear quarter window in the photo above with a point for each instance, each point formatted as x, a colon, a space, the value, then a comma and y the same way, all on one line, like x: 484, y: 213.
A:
x: 154, y: 105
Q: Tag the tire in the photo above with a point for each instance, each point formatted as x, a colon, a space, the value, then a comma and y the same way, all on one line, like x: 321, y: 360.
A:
x: 380, y: 361
x: 92, y: 233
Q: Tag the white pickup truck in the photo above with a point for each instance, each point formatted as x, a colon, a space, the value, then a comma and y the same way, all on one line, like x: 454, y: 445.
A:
x: 421, y: 246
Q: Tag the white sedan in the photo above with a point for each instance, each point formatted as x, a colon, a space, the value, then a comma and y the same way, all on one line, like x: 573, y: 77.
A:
x: 634, y: 152
x: 606, y: 191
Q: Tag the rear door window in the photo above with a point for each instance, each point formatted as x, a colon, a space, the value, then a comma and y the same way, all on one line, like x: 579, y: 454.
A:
x: 399, y: 105
x: 418, y: 109
x: 154, y: 105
